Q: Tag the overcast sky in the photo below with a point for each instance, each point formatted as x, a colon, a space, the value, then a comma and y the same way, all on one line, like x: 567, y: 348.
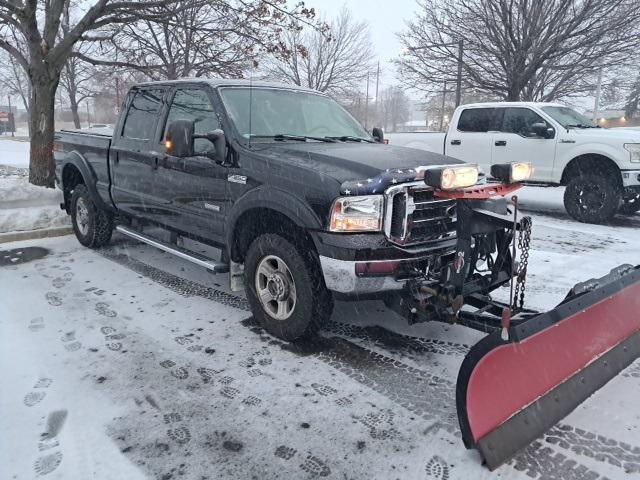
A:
x: 385, y: 18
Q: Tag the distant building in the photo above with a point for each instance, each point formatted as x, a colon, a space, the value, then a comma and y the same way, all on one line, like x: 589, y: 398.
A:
x: 7, y: 119
x: 613, y: 117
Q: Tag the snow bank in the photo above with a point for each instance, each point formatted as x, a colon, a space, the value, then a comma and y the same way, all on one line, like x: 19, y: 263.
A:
x: 14, y: 152
x: 26, y: 207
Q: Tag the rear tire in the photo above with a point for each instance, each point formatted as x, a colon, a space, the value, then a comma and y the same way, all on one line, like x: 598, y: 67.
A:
x: 285, y: 288
x: 592, y: 198
x: 93, y: 226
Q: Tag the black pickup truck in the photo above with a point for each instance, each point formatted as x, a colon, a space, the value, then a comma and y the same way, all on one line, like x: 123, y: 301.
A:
x: 305, y: 206
x: 300, y: 198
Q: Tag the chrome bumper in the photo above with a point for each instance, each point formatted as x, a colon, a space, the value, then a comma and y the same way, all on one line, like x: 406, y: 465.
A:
x: 630, y: 178
x: 340, y: 276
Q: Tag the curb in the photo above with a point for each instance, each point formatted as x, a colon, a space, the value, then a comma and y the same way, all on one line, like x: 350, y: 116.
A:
x: 34, y: 234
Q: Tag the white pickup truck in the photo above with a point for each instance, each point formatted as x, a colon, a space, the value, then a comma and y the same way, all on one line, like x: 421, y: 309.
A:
x: 600, y: 167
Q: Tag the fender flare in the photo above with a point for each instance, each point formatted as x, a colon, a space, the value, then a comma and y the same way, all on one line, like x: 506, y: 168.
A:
x: 89, y: 176
x: 289, y: 205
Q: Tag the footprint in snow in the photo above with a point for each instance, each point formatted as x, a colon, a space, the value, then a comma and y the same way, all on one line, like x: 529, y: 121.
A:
x: 53, y: 299
x: 437, y: 468
x: 47, y: 463
x: 33, y: 398
x: 103, y: 309
x: 36, y: 324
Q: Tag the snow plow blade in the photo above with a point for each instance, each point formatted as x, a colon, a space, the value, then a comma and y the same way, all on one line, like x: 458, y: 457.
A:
x: 510, y: 392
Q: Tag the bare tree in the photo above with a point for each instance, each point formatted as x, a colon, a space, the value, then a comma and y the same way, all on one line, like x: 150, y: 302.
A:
x: 213, y: 38
x: 632, y: 104
x: 50, y: 31
x: 395, y: 108
x: 77, y: 80
x: 14, y: 80
x: 335, y: 62
x: 518, y: 49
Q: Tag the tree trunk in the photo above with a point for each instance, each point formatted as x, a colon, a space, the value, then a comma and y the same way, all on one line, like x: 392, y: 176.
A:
x: 74, y: 113
x: 41, y: 123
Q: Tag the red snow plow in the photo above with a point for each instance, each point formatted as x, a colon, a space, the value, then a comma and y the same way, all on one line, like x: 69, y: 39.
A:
x: 533, y: 368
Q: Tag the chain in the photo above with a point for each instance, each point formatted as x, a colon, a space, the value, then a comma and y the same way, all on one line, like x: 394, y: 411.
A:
x: 524, y: 242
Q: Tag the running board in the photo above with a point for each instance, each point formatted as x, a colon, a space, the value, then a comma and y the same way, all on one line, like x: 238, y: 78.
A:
x: 193, y: 257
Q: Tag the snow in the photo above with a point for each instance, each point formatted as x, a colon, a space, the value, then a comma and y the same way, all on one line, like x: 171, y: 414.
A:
x: 24, y: 206
x: 360, y: 402
x: 14, y: 153
x: 129, y: 363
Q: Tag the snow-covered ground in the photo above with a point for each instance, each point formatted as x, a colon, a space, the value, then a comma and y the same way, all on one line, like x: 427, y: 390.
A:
x: 14, y: 152
x: 127, y: 363
x: 25, y: 207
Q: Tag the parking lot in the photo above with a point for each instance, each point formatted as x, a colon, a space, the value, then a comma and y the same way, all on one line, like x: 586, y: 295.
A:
x: 128, y: 363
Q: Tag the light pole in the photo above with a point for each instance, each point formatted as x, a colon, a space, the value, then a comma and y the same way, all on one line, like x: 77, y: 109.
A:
x: 460, y: 45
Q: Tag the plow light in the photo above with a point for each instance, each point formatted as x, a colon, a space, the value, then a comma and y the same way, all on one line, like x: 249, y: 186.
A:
x: 452, y: 177
x: 512, y: 172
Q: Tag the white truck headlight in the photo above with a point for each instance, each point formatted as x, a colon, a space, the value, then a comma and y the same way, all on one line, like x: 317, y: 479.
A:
x: 512, y: 172
x: 634, y: 151
x: 357, y: 214
x: 451, y: 177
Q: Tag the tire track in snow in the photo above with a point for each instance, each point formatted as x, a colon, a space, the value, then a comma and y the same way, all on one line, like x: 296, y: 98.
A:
x: 430, y: 396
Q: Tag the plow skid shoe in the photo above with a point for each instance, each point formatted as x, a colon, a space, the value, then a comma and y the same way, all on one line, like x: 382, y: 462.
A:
x: 509, y: 392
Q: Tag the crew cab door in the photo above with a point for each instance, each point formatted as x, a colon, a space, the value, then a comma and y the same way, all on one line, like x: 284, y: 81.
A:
x: 133, y: 159
x: 516, y: 142
x: 471, y: 139
x: 191, y: 191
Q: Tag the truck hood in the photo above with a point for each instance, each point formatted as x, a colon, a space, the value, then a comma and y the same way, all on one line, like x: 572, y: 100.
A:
x: 622, y: 135
x: 352, y: 161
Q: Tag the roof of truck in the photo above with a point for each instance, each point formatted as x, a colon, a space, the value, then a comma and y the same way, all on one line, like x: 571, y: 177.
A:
x: 229, y: 82
x: 514, y: 104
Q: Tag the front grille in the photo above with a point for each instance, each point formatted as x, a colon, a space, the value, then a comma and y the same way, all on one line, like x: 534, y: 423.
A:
x: 417, y: 217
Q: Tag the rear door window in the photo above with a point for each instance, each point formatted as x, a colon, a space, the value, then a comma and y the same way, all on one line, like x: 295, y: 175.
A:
x: 480, y: 120
x: 142, y: 116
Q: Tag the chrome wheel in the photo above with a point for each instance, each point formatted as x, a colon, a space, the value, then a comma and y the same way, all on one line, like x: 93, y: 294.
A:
x: 82, y: 216
x: 275, y: 287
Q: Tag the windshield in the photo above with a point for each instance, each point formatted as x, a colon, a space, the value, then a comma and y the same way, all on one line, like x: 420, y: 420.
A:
x: 568, y: 117
x: 276, y: 112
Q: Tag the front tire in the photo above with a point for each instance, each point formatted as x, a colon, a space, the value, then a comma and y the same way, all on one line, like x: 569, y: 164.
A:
x: 631, y: 204
x: 93, y: 227
x: 592, y: 198
x: 285, y: 288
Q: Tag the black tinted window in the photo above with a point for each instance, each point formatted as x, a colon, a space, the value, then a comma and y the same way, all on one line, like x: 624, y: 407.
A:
x: 142, y: 115
x: 479, y: 120
x: 194, y: 105
x: 520, y: 120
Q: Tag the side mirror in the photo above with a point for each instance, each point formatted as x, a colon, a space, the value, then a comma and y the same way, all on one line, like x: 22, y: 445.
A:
x: 219, y: 141
x: 543, y: 130
x: 378, y: 134
x: 179, y: 139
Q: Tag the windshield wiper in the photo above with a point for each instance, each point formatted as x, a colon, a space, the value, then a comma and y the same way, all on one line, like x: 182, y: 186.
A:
x: 349, y: 138
x: 580, y: 125
x: 288, y: 136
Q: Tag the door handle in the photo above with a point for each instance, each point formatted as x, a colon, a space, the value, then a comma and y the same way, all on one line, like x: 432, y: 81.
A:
x: 501, y: 143
x: 456, y: 142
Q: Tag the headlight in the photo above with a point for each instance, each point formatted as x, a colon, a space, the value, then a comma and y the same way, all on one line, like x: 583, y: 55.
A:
x: 357, y: 214
x: 452, y: 177
x: 634, y: 150
x: 512, y: 172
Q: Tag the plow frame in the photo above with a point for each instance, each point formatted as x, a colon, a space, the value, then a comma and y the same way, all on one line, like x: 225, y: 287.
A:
x: 533, y: 368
